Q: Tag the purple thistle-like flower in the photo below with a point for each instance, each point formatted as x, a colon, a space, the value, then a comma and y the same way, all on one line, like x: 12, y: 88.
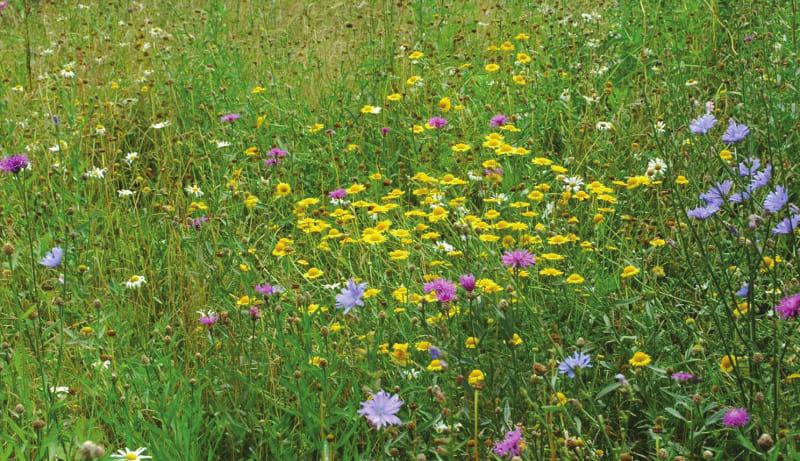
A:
x: 227, y: 118
x: 683, y: 376
x: 445, y: 290
x: 437, y: 122
x: 385, y: 130
x: 338, y: 194
x: 789, y: 307
x: 736, y: 417
x: 467, y: 282
x: 208, y: 319
x: 573, y: 363
x: 498, y: 120
x: 381, y: 410
x: 351, y: 295
x: 14, y: 163
x: 269, y: 290
x: 511, y: 445
x: 776, y: 200
x: 198, y: 222
x: 53, y: 258
x: 274, y: 156
x: 736, y: 132
x: 3, y: 5
x: 787, y: 226
x: 702, y: 124
x: 518, y: 259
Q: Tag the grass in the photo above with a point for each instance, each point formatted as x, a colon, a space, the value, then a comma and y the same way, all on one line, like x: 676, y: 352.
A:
x: 597, y: 95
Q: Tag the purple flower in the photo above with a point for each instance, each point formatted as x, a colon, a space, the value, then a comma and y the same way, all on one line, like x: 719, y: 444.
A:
x: 437, y: 122
x: 736, y: 417
x: 716, y: 195
x: 3, y: 5
x: 385, y: 130
x: 434, y: 352
x: 776, y: 199
x: 683, y: 376
x: 787, y: 226
x: 338, y: 194
x: 467, y: 282
x: 621, y: 379
x: 789, y: 307
x: 269, y: 290
x: 208, y: 318
x: 381, y: 410
x: 498, y: 120
x: 703, y: 212
x: 702, y: 124
x: 351, y: 295
x: 445, y: 290
x: 761, y: 179
x: 749, y: 166
x: 227, y: 118
x: 518, y: 258
x: 198, y: 222
x: 743, y: 291
x: 274, y: 156
x: 53, y: 258
x: 736, y: 132
x: 14, y: 163
x: 573, y: 363
x: 749, y: 38
x: 255, y: 313
x: 511, y: 445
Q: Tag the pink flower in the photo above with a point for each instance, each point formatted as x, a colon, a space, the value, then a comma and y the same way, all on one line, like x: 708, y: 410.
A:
x: 519, y: 258
x: 789, y: 307
x: 736, y: 417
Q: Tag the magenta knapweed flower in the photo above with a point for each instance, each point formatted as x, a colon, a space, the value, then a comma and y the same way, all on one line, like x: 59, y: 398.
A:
x: 511, y: 445
x: 683, y: 376
x: 385, y: 130
x: 437, y: 122
x: 227, y: 118
x: 498, y: 120
x: 198, y: 222
x: 337, y: 194
x: 14, y: 163
x: 445, y: 290
x: 274, y: 156
x: 381, y: 410
x: 518, y: 259
x: 736, y: 417
x: 467, y: 282
x: 208, y: 318
x: 255, y: 313
x: 789, y: 307
x: 269, y: 290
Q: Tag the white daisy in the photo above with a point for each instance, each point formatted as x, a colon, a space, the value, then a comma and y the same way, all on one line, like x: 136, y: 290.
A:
x: 96, y: 173
x: 160, y: 125
x: 131, y: 455
x: 194, y: 190
x: 124, y: 193
x: 131, y: 157
x: 604, y: 126
x: 135, y: 281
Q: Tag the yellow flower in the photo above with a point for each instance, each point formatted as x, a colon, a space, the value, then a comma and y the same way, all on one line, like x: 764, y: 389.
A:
x: 316, y: 127
x: 283, y: 189
x: 640, y: 359
x: 445, y: 104
x: 435, y: 365
x: 575, y: 279
x: 258, y: 89
x: 243, y: 301
x: 400, y: 353
x: 515, y: 340
x: 398, y: 255
x: 550, y: 272
x: 519, y: 79
x: 461, y: 147
x: 681, y: 180
x: 471, y: 342
x: 313, y: 273
x: 250, y: 201
x: 726, y: 155
x: 629, y: 271
x: 422, y: 346
x: 491, y: 67
x: 394, y: 97
x: 657, y: 242
x: 727, y: 363
x: 416, y: 55
x: 315, y: 361
x: 475, y: 378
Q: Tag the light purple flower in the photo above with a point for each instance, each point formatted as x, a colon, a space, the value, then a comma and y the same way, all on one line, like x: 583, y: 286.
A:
x: 716, y: 195
x: 351, y: 295
x: 437, y: 122
x: 3, y: 5
x: 787, y: 226
x: 743, y: 291
x: 14, y: 163
x: 434, y: 352
x: 703, y: 212
x: 702, y: 124
x: 789, y: 307
x: 776, y: 200
x: 575, y: 362
x: 227, y: 118
x: 381, y: 410
x: 198, y: 222
x: 498, y: 120
x: 621, y: 379
x: 53, y: 258
x: 749, y: 166
x: 208, y: 318
x: 683, y: 376
x: 761, y: 179
x: 736, y: 417
x: 338, y: 194
x: 269, y: 290
x: 511, y: 445
x: 736, y: 132
x: 518, y: 259
x: 445, y: 290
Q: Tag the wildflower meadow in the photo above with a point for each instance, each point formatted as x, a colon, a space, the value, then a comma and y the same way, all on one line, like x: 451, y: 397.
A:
x: 399, y: 230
